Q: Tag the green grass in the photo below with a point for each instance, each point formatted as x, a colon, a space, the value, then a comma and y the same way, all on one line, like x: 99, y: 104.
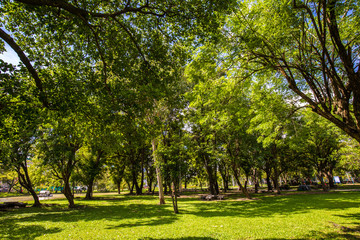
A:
x: 299, y: 216
x: 11, y: 194
x: 348, y: 186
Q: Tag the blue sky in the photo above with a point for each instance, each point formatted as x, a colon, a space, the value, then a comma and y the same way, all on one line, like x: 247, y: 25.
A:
x: 10, y: 56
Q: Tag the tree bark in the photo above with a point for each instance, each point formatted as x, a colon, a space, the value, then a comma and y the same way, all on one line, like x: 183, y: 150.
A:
x: 275, y: 179
x: 174, y: 199
x: 330, y: 177
x: 25, y: 182
x: 118, y: 186
x: 68, y: 194
x: 211, y: 172
x: 89, y: 191
x: 268, y: 182
x: 158, y: 174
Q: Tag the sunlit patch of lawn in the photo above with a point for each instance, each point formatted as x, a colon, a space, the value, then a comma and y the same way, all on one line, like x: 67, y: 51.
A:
x: 304, y: 216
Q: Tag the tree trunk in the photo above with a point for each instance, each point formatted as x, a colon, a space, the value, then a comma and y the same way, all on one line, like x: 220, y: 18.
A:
x: 149, y: 185
x: 68, y: 194
x: 89, y: 192
x: 25, y: 182
x: 268, y: 182
x: 211, y: 172
x: 118, y: 186
x: 158, y: 174
x: 330, y: 177
x: 128, y: 184
x: 135, y: 183
x: 174, y: 199
x: 132, y: 188
x: 276, y: 184
x: 276, y: 181
x: 256, y: 180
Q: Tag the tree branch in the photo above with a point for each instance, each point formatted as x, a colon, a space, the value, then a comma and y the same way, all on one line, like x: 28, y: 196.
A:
x: 85, y: 14
x: 9, y: 40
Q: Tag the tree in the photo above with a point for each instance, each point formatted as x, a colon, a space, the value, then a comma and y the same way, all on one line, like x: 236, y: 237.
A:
x: 20, y: 117
x: 321, y: 143
x: 127, y: 40
x: 171, y: 150
x: 273, y: 124
x: 312, y: 45
x: 58, y: 146
x: 91, y: 163
x: 350, y: 159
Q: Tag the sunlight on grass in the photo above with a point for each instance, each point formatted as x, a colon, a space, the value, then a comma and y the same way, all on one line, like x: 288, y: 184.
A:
x: 333, y: 215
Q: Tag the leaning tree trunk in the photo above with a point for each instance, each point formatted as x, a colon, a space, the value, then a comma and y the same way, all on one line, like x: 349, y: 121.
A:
x: 68, y: 194
x: 25, y: 181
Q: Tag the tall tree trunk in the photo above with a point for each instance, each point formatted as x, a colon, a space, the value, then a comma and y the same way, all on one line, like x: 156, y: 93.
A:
x: 174, y: 198
x: 158, y: 174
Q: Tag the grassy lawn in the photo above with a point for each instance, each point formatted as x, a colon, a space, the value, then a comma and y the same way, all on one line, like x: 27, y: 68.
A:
x: 299, y: 216
x: 11, y: 194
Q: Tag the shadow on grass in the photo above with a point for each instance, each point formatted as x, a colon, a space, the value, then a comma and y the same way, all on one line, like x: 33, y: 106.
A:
x: 12, y: 230
x: 332, y: 235
x: 273, y: 205
x: 16, y: 222
x: 143, y: 211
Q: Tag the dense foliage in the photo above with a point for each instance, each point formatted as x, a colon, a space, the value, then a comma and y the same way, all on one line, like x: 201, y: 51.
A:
x: 178, y: 93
